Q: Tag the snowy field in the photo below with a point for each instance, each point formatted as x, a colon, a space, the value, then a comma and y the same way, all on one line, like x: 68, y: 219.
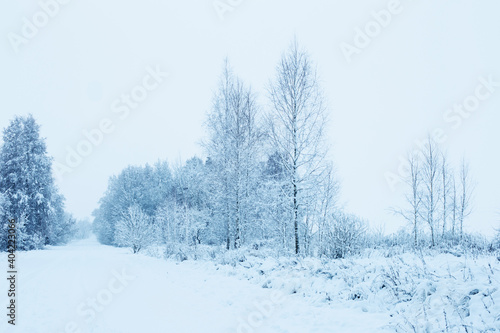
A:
x: 88, y: 287
x: 419, y: 293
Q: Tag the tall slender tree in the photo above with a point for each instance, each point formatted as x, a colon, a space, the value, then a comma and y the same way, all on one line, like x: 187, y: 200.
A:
x: 454, y: 206
x: 466, y: 193
x: 430, y: 173
x: 414, y: 197
x: 297, y: 122
x: 446, y: 189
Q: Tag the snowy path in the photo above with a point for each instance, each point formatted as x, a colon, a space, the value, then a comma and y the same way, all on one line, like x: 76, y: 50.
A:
x: 87, y: 287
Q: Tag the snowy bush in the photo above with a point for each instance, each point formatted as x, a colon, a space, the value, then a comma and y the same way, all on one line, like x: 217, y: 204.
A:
x: 176, y: 251
x: 345, y: 236
x: 135, y: 229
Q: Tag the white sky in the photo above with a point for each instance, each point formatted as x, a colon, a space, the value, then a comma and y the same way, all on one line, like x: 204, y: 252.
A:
x: 394, y: 91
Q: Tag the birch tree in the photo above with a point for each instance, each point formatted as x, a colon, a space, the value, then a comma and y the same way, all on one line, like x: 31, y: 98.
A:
x: 446, y: 189
x: 465, y: 199
x: 328, y: 199
x: 414, y: 197
x: 233, y: 142
x: 297, y: 122
x: 454, y: 206
x: 430, y: 173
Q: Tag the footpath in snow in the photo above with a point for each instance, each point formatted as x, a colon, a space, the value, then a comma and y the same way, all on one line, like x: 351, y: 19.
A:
x: 88, y: 287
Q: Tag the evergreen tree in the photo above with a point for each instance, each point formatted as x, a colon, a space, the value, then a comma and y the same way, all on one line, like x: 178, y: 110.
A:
x: 29, y: 193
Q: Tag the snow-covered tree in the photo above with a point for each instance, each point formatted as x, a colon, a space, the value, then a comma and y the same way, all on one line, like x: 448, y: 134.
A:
x: 234, y: 138
x: 148, y: 187
x: 297, y: 122
x: 413, y: 197
x: 272, y: 200
x: 446, y: 188
x: 83, y: 229
x: 431, y: 186
x: 61, y: 226
x: 465, y: 204
x: 328, y: 191
x: 454, y: 206
x: 436, y: 195
x: 29, y: 193
x: 186, y: 216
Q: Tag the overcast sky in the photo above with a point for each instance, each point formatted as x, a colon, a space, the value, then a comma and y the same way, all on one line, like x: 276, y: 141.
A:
x: 71, y: 72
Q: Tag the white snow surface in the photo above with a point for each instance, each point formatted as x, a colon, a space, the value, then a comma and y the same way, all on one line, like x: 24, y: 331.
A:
x: 253, y: 294
x: 163, y: 296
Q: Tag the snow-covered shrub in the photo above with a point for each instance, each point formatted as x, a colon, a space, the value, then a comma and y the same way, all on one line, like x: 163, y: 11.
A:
x: 182, y: 252
x: 232, y: 257
x: 474, y: 243
x: 346, y: 235
x: 135, y: 229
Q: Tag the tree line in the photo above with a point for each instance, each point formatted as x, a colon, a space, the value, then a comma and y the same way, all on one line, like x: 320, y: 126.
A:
x: 266, y: 179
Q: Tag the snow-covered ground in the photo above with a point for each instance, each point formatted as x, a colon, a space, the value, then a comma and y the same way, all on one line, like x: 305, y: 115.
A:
x: 420, y: 293
x: 88, y: 287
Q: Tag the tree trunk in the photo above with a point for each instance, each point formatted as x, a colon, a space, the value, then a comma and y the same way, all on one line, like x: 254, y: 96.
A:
x: 296, y: 218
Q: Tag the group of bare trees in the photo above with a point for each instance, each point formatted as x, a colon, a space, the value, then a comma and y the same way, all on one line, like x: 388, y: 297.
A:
x: 438, y: 198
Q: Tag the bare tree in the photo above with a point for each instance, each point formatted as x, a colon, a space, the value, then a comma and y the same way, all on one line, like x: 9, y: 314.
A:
x: 454, y: 206
x: 446, y: 189
x: 329, y: 192
x: 430, y: 173
x: 466, y: 192
x: 297, y: 124
x: 414, y: 197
